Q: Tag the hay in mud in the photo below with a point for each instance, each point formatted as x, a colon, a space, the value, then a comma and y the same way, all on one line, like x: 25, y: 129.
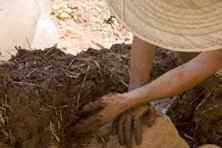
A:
x: 42, y: 92
x: 197, y: 113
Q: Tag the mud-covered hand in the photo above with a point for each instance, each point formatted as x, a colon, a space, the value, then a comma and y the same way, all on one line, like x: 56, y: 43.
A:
x: 98, y: 113
x: 129, y: 125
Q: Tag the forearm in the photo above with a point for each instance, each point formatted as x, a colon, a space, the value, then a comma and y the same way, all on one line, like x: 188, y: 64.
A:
x: 179, y: 79
x: 142, y: 55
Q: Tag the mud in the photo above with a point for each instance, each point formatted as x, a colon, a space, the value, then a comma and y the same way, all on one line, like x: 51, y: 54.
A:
x: 42, y: 92
x: 197, y: 113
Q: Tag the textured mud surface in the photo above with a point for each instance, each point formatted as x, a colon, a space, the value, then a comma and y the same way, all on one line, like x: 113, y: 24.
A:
x: 41, y: 93
x: 197, y: 113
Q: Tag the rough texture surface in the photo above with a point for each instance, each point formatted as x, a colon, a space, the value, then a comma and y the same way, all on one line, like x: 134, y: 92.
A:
x: 41, y: 93
x: 208, y: 118
x: 197, y: 113
x: 87, y: 23
x: 162, y: 134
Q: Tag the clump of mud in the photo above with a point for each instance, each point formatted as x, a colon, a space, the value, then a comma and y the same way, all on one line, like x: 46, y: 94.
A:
x: 197, y: 113
x: 41, y: 92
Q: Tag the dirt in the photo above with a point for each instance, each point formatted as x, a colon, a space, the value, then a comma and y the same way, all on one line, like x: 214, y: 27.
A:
x: 42, y: 92
x: 96, y: 27
x: 197, y: 113
x: 84, y: 24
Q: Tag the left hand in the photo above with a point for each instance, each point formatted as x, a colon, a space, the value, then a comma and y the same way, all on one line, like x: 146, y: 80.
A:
x: 101, y: 112
x: 129, y: 125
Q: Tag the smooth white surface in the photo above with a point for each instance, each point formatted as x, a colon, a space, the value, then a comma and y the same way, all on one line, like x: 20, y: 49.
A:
x: 25, y: 23
x: 18, y: 22
x: 46, y: 34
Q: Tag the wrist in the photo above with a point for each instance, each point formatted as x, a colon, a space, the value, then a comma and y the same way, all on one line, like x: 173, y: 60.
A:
x: 141, y: 95
x: 130, y: 102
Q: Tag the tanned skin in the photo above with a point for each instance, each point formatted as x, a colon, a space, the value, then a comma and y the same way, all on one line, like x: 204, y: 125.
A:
x: 172, y: 83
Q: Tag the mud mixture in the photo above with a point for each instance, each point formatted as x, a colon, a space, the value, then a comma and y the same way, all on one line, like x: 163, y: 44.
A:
x: 42, y: 91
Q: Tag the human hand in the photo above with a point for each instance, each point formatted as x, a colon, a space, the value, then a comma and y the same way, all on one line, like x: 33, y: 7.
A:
x: 98, y: 113
x: 129, y: 125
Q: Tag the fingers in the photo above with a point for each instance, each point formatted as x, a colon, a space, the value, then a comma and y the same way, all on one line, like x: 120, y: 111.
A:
x: 121, y: 129
x: 137, y: 130
x: 130, y: 124
x: 125, y: 132
x: 88, y: 125
x: 89, y: 117
x: 128, y: 131
x: 92, y: 107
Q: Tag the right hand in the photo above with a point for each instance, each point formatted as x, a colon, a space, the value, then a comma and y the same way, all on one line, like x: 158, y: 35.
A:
x: 100, y: 112
x: 129, y: 125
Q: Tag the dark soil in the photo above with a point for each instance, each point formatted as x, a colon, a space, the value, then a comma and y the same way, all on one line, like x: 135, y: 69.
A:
x: 197, y: 114
x: 42, y: 92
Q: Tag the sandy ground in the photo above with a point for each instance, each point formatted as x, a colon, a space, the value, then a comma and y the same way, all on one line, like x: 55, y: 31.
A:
x: 86, y: 24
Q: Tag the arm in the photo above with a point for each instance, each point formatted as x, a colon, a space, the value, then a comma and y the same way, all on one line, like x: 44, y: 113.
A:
x: 178, y: 80
x: 142, y: 55
x: 171, y: 83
